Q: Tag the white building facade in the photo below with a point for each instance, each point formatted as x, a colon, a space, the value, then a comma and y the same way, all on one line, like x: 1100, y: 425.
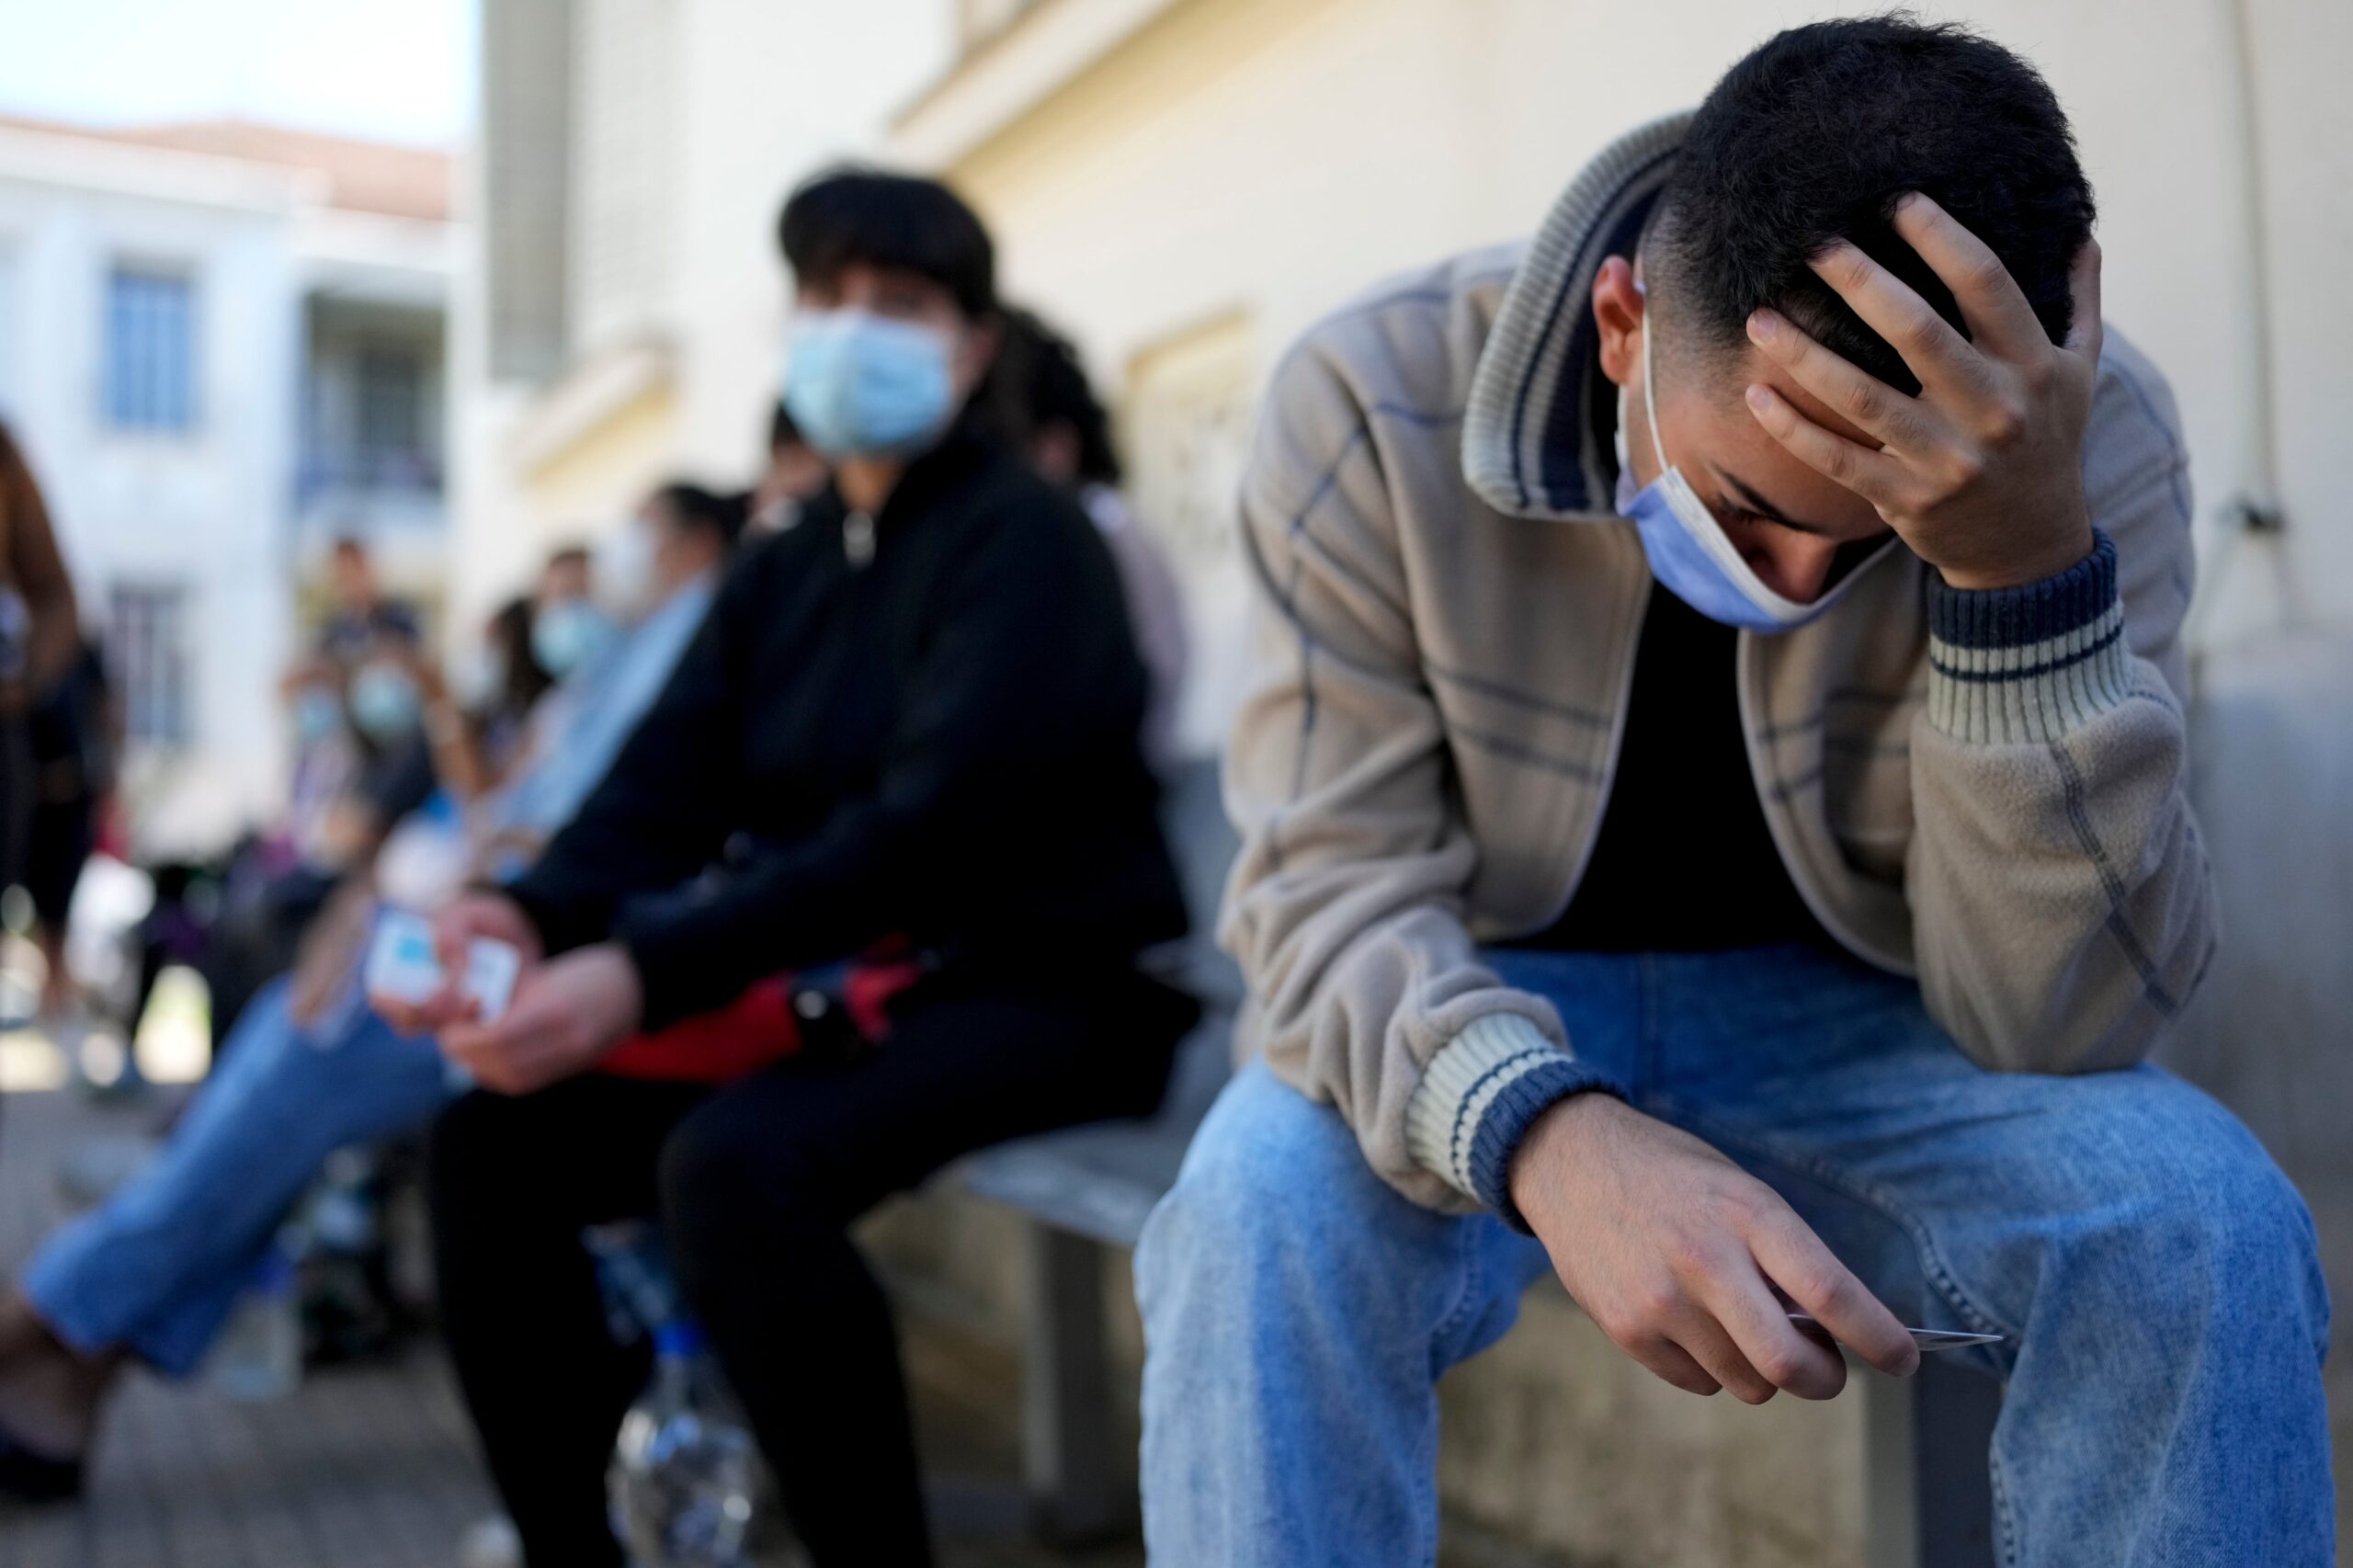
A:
x: 213, y: 369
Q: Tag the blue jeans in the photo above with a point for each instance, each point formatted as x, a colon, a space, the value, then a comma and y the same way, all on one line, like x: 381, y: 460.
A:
x: 156, y: 1267
x: 2153, y: 1273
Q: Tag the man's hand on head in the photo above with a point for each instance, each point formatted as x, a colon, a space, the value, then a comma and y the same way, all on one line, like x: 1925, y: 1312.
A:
x: 1677, y: 1253
x: 1982, y: 474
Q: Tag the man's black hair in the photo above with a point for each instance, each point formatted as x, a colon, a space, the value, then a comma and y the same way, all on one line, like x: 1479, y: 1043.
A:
x: 1037, y: 382
x: 1813, y: 136
x: 695, y: 507
x: 846, y: 217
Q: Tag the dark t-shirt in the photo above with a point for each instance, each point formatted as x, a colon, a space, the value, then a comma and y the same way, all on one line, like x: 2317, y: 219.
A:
x: 348, y: 635
x: 1684, y: 862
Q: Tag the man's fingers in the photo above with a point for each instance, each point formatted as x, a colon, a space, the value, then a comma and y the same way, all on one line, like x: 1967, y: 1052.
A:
x: 2000, y: 320
x: 1673, y: 1364
x: 2087, y: 334
x: 1794, y: 1258
x: 1937, y: 354
x: 1707, y: 1343
x: 1761, y: 1326
x: 1875, y: 476
x: 1897, y: 420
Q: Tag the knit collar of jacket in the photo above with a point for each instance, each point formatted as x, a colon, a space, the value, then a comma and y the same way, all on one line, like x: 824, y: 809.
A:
x: 1536, y: 440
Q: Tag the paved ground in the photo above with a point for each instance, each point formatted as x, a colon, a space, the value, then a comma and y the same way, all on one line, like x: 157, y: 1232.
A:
x: 373, y: 1466
x: 365, y: 1467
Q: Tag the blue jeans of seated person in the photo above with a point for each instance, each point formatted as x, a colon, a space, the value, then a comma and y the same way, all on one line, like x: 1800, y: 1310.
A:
x: 157, y: 1267
x: 2153, y: 1272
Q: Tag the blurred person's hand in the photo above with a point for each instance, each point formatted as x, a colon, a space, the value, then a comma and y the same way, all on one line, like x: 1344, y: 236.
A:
x: 431, y: 684
x: 330, y: 949
x: 469, y: 916
x: 567, y: 1013
x: 1982, y: 474
x: 1682, y: 1257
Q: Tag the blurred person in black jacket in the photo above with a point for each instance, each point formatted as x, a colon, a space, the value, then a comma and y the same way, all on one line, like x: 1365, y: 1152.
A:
x: 910, y: 724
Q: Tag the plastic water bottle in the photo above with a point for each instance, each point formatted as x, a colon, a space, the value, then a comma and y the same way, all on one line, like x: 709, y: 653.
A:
x: 260, y: 1352
x: 684, y: 1471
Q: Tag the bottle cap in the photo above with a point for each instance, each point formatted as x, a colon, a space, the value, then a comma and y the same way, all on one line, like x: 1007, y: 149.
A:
x: 680, y: 1336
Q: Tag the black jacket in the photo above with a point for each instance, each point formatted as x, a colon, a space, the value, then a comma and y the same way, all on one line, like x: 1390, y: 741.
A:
x: 938, y: 741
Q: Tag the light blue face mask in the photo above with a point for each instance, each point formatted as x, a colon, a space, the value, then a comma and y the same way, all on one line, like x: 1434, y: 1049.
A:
x: 384, y: 702
x: 862, y: 385
x: 1687, y: 548
x: 567, y: 634
x: 317, y: 715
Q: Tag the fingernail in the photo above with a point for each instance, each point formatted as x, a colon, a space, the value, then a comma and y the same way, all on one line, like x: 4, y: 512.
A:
x: 1910, y: 198
x: 1758, y: 399
x: 1763, y: 324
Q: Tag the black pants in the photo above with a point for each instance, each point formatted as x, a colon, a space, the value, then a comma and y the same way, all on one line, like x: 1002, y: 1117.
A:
x: 756, y: 1186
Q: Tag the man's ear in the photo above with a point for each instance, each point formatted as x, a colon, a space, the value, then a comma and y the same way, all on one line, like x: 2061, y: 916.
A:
x: 1618, y: 311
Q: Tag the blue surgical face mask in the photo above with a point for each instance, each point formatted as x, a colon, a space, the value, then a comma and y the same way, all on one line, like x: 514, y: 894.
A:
x: 567, y: 634
x: 1687, y: 549
x: 384, y: 702
x: 861, y: 385
x: 317, y: 715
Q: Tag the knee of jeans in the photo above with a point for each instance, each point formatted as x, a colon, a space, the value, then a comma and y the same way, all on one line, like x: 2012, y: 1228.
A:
x: 1273, y: 1189
x: 2209, y: 1227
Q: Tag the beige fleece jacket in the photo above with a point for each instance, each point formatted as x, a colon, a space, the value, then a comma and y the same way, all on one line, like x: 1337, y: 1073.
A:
x: 1983, y: 789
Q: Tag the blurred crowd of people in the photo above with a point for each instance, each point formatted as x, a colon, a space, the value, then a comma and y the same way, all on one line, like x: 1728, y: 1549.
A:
x: 880, y: 730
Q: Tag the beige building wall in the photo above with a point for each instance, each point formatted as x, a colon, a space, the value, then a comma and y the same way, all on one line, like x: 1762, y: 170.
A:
x: 1258, y: 160
x: 676, y: 128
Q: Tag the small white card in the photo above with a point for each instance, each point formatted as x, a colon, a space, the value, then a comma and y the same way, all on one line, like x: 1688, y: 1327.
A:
x: 1925, y: 1338
x: 491, y: 969
x: 401, y: 962
x: 402, y: 966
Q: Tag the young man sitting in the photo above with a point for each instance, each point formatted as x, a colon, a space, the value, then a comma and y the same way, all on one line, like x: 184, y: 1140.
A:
x: 911, y: 720
x: 1714, y: 823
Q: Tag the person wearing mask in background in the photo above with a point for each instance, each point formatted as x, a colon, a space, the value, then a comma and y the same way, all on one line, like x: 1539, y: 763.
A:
x: 1049, y: 413
x: 40, y: 631
x: 267, y: 905
x: 911, y: 720
x: 360, y: 617
x: 324, y: 760
x: 569, y: 627
x: 150, y: 1274
x: 475, y: 718
x: 795, y: 471
x: 1719, y: 704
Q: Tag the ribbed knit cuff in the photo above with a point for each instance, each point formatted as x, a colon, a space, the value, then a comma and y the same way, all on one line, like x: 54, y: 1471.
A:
x: 2029, y: 664
x: 1478, y: 1098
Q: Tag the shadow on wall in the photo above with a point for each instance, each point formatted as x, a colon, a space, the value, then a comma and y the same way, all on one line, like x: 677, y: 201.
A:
x: 2271, y: 1033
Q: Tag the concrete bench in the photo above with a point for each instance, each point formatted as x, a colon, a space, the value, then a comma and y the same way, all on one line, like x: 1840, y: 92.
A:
x: 1086, y: 1191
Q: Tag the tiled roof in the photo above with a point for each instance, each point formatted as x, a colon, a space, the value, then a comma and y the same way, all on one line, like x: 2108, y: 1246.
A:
x: 363, y: 176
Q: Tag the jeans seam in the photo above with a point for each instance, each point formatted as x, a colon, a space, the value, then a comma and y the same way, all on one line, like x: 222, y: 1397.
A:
x: 1466, y: 1294
x: 2005, y: 1519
